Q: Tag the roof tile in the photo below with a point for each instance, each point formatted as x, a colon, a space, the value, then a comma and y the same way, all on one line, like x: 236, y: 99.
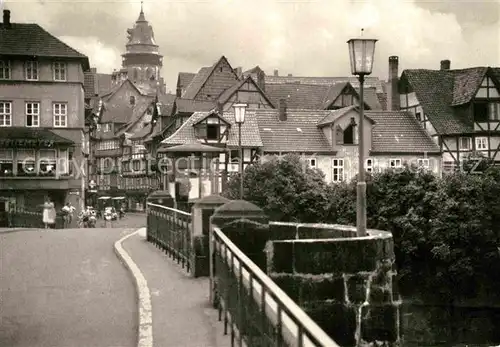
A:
x: 399, y: 132
x: 31, y: 39
x: 249, y: 130
x: 299, y: 133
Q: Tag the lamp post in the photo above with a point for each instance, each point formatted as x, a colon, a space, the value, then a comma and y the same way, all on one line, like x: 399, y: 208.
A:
x: 239, y: 116
x: 361, y: 53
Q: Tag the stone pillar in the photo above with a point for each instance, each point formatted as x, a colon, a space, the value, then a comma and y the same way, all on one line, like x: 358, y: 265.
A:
x: 201, y: 213
x: 240, y: 221
x: 347, y: 285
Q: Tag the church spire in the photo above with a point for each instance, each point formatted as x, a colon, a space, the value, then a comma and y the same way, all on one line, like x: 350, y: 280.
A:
x: 141, y: 18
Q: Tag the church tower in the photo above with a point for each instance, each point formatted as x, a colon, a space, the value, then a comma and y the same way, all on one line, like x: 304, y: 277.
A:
x: 141, y: 62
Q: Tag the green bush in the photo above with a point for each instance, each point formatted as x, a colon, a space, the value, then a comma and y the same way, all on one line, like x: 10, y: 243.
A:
x: 446, y: 230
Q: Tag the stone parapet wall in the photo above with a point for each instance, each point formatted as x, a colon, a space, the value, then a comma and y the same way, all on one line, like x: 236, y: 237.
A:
x: 346, y: 284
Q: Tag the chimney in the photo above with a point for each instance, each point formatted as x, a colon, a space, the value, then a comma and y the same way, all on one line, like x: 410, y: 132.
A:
x: 282, y: 110
x: 178, y: 92
x: 6, y: 18
x: 289, y: 75
x: 261, y: 80
x: 93, y: 70
x: 276, y: 73
x: 393, y: 102
x: 445, y: 64
x: 238, y: 71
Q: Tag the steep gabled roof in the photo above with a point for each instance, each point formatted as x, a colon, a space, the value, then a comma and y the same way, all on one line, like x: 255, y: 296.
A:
x: 315, y: 96
x: 228, y: 93
x: 399, y: 132
x: 299, y: 133
x: 466, y: 84
x: 190, y: 106
x: 24, y: 39
x: 298, y: 96
x: 202, y: 77
x: 249, y: 131
x: 184, y: 78
x: 435, y: 92
x: 370, y: 82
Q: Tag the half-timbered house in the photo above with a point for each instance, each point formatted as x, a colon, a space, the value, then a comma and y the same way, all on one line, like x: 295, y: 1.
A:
x: 459, y: 109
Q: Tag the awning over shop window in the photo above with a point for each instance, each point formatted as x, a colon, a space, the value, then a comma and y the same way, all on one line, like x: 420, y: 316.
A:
x: 24, y: 137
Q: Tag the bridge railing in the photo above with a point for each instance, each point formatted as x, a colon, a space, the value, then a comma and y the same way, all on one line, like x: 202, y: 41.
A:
x: 170, y: 230
x: 255, y: 309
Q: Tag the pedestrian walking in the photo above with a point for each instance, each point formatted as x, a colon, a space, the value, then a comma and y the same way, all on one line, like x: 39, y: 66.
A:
x: 68, y: 211
x: 49, y: 213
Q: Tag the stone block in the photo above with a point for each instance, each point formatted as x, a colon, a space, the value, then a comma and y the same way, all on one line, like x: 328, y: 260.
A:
x: 380, y: 323
x: 337, y: 320
x: 357, y: 289
x: 282, y: 231
x: 337, y: 256
x: 280, y: 256
x: 322, y: 288
x: 290, y: 284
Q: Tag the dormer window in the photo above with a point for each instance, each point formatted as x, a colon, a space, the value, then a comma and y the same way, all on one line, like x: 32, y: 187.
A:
x: 106, y: 127
x: 349, y: 134
x: 211, y: 128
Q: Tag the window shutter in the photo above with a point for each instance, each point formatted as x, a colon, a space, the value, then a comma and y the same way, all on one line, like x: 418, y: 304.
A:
x: 339, y: 135
x: 201, y: 131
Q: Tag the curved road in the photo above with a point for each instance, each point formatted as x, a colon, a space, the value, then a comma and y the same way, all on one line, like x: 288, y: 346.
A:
x: 65, y: 288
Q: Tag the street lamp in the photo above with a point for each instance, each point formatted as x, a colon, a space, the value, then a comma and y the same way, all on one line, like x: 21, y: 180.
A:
x: 239, y: 116
x: 361, y: 53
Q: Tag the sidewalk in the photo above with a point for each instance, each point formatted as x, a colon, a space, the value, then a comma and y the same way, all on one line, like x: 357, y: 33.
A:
x: 182, y: 315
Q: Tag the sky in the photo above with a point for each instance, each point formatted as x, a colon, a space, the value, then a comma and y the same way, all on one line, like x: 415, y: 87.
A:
x: 299, y: 37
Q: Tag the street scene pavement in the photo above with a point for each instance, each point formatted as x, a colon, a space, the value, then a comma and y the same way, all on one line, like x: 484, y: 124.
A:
x: 182, y: 314
x: 62, y: 288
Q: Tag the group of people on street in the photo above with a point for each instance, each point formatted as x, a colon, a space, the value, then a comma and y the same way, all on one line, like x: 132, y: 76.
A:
x: 67, y: 212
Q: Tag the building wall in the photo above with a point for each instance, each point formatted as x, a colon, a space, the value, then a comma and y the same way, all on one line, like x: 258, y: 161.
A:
x: 46, y: 91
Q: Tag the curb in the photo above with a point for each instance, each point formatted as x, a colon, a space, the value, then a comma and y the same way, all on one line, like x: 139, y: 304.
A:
x: 145, y: 332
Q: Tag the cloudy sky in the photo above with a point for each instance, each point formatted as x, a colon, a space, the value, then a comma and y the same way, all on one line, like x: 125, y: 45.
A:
x: 302, y: 37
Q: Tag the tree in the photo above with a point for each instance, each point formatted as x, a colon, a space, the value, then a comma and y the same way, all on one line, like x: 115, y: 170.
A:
x: 285, y: 188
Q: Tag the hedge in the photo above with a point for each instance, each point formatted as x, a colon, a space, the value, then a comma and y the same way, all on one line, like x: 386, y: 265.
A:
x: 446, y: 230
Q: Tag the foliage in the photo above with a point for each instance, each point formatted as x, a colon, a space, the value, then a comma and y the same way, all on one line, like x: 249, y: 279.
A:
x: 446, y: 230
x: 285, y: 188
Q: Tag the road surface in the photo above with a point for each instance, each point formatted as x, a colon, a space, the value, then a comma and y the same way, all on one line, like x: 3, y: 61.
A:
x: 65, y: 288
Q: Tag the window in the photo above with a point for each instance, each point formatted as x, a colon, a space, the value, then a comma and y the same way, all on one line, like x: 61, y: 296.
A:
x: 59, y: 71
x: 423, y: 163
x: 464, y: 143
x: 481, y: 143
x: 6, y: 162
x: 4, y: 70
x: 369, y: 165
x: 47, y: 162
x: 337, y: 170
x: 32, y: 70
x: 212, y: 132
x: 5, y: 113
x: 311, y: 162
x: 484, y: 111
x: 106, y: 127
x: 132, y: 100
x: 32, y: 114
x: 494, y: 111
x: 349, y: 136
x: 25, y: 160
x: 60, y: 115
x: 395, y: 163
x: 418, y: 115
